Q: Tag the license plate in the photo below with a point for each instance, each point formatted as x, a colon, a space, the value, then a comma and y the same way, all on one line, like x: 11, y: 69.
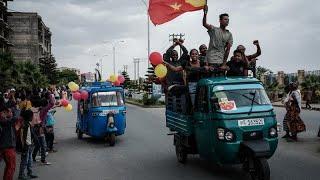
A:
x: 251, y: 122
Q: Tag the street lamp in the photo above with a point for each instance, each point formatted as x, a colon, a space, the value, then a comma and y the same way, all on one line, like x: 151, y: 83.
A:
x: 114, y: 53
x: 101, y: 63
x: 148, y: 22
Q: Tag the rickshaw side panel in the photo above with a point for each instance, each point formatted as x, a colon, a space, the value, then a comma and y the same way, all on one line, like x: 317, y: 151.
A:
x: 179, y: 122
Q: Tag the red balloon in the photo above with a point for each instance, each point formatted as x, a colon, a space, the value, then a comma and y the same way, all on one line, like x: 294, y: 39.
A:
x: 64, y: 102
x: 121, y: 79
x: 84, y: 95
x: 117, y: 83
x: 76, y: 95
x: 155, y: 58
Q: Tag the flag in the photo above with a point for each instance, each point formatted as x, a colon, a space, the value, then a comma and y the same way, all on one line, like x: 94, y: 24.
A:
x: 162, y: 11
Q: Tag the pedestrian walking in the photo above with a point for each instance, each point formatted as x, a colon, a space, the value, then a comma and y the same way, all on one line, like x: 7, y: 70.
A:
x: 8, y: 140
x: 308, y: 97
x: 294, y: 122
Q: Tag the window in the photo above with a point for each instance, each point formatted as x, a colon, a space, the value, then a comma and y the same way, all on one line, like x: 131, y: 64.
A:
x: 111, y: 98
x: 244, y: 97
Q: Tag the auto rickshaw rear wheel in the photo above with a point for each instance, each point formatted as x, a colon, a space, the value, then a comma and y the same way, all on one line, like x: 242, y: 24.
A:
x: 181, y: 152
x: 79, y: 134
x: 112, y: 139
x: 261, y: 169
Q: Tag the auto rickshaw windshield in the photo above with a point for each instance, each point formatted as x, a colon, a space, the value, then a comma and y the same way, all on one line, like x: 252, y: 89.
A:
x: 243, y: 97
x: 105, y: 99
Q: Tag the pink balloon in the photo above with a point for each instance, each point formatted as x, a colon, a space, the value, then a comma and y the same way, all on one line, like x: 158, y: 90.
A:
x: 76, y: 95
x: 121, y: 79
x: 64, y: 102
x: 117, y: 83
x: 155, y: 58
x: 84, y: 95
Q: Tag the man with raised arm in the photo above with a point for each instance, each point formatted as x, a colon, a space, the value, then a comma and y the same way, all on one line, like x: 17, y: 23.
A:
x: 220, y: 41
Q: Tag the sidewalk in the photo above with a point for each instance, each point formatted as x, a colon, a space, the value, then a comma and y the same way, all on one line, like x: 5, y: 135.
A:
x: 315, y: 107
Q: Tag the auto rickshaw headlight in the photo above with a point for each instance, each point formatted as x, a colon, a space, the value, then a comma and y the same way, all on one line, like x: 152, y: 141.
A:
x: 273, y: 132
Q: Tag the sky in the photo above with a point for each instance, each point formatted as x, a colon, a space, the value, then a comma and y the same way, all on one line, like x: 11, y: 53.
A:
x: 85, y: 31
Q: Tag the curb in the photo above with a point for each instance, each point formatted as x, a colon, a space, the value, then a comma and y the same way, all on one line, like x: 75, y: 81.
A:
x: 144, y: 106
x: 313, y: 109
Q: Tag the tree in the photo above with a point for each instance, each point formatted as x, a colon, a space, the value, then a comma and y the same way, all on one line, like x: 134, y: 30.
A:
x: 127, y: 81
x: 261, y: 70
x: 66, y: 76
x: 48, y: 67
x: 20, y: 74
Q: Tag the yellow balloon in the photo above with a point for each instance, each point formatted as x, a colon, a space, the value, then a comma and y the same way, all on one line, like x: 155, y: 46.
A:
x: 71, y: 83
x: 113, y: 78
x: 160, y: 71
x: 74, y: 87
x: 68, y: 108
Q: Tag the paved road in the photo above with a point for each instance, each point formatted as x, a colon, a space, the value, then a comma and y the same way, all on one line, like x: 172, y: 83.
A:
x: 146, y: 152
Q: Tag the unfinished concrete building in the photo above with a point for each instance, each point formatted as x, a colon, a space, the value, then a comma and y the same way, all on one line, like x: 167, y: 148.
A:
x: 30, y: 36
x: 4, y: 27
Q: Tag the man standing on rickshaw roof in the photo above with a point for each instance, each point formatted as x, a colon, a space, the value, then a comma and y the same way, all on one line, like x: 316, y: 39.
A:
x: 220, y: 41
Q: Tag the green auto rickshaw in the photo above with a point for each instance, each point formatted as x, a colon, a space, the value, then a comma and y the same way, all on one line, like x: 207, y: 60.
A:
x: 231, y: 122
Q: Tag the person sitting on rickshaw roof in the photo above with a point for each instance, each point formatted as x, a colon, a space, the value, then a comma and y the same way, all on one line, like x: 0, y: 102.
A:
x: 237, y: 65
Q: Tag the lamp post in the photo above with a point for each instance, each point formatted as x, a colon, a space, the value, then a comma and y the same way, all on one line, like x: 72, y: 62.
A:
x: 114, y: 44
x: 101, y: 63
x: 148, y: 22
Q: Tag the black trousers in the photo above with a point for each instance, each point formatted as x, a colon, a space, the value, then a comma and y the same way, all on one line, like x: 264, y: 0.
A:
x: 49, y: 138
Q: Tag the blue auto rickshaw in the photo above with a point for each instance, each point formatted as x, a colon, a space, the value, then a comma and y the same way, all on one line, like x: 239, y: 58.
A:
x: 103, y: 114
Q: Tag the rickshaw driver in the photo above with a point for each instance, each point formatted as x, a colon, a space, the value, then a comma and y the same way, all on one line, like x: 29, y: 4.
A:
x: 95, y: 101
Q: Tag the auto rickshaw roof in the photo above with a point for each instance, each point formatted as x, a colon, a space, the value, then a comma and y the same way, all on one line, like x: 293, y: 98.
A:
x: 101, y: 86
x: 223, y: 80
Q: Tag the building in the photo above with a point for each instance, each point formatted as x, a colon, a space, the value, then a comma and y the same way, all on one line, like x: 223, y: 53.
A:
x: 4, y: 27
x: 87, y: 77
x: 77, y: 71
x: 30, y: 36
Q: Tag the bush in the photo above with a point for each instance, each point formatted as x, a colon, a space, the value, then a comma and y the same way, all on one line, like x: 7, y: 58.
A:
x: 148, y: 101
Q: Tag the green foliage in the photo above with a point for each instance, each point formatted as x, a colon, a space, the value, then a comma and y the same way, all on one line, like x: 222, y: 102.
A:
x: 311, y: 82
x: 48, y: 67
x: 148, y: 101
x: 127, y: 82
x: 20, y: 75
x: 65, y: 76
x: 261, y: 70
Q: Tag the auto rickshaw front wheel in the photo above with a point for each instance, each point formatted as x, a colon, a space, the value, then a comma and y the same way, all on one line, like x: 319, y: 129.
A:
x: 112, y: 139
x: 258, y: 168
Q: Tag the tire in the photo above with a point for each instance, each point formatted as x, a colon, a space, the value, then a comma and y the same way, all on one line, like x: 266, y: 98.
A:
x: 112, y: 139
x: 79, y: 134
x: 261, y: 169
x: 181, y: 153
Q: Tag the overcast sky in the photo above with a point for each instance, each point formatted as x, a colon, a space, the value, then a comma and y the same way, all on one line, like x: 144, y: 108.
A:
x: 288, y: 31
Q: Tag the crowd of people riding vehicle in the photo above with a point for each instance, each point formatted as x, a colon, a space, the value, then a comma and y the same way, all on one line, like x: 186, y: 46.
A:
x: 214, y: 109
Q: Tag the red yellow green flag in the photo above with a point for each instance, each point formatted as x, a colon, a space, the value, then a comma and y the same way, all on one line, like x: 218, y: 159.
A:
x: 162, y: 11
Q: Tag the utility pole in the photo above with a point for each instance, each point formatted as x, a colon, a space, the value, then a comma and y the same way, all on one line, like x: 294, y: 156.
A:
x: 148, y: 22
x: 125, y: 68
x: 136, y: 62
x: 176, y: 36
